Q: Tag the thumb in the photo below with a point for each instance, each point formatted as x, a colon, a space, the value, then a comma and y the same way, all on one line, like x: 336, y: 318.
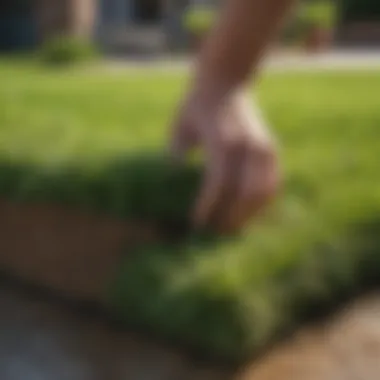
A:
x: 182, y: 141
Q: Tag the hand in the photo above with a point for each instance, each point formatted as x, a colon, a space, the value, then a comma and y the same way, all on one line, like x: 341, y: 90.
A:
x: 241, y: 173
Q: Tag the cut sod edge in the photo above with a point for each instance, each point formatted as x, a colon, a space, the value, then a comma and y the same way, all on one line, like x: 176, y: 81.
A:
x: 72, y: 252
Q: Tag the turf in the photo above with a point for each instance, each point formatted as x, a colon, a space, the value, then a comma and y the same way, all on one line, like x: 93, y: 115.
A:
x: 91, y: 139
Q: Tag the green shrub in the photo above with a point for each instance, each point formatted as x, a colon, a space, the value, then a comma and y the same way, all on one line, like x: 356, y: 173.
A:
x: 294, y: 31
x: 321, y: 13
x: 199, y: 20
x: 308, y: 15
x: 64, y: 50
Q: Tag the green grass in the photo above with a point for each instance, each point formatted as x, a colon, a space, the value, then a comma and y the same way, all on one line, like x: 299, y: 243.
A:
x: 90, y: 141
x: 81, y: 137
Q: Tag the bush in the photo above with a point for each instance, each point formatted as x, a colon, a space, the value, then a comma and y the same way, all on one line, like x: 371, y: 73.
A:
x: 199, y: 20
x: 294, y: 31
x: 319, y: 13
x: 308, y: 15
x: 64, y: 50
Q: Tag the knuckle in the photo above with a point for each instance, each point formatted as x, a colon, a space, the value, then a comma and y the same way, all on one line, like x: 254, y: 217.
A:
x: 262, y: 151
x: 237, y: 145
x: 229, y: 143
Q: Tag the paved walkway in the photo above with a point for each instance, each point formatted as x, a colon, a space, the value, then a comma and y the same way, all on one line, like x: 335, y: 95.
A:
x: 344, y: 59
x: 331, y: 60
x: 44, y: 340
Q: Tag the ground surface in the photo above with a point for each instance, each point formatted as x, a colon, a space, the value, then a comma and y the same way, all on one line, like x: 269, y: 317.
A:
x: 41, y: 338
x: 318, y: 244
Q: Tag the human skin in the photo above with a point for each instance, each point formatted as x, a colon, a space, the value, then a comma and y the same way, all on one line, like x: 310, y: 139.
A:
x: 241, y: 167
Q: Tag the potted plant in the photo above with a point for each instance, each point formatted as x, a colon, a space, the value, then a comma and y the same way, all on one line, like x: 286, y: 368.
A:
x: 319, y: 20
x: 198, y: 22
x: 293, y: 33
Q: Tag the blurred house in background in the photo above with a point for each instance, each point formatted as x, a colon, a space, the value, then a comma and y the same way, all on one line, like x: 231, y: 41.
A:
x: 115, y: 24
x: 127, y: 25
x: 148, y: 25
x: 26, y: 23
x: 359, y: 23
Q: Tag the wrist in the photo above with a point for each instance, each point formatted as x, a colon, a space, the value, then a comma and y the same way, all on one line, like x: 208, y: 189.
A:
x: 212, y: 91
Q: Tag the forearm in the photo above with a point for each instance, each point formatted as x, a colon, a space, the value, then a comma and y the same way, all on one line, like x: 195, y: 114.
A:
x: 234, y: 48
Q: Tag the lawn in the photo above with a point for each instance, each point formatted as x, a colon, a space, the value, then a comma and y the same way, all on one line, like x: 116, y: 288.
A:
x: 91, y: 139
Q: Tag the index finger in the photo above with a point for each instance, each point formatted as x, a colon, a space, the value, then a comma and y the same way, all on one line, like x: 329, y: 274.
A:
x: 212, y: 187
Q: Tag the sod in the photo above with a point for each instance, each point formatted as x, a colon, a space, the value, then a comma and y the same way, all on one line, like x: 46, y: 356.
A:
x: 147, y: 187
x: 88, y: 141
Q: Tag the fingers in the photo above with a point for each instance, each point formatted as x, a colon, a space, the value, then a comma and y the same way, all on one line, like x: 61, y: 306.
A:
x: 178, y: 146
x: 254, y: 189
x: 259, y: 172
x: 250, y: 181
x: 183, y: 135
x: 213, y: 187
x: 240, y: 176
x: 182, y: 141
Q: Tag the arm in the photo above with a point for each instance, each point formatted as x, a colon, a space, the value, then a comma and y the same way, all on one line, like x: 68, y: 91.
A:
x: 240, y: 162
x: 235, y: 47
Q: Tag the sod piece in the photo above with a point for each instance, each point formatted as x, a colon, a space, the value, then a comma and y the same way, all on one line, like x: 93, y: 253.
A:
x: 84, y: 141
x: 68, y: 229
x: 144, y: 187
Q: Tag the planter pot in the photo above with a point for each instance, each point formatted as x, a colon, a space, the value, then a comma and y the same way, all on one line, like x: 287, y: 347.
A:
x: 318, y: 39
x: 196, y: 41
